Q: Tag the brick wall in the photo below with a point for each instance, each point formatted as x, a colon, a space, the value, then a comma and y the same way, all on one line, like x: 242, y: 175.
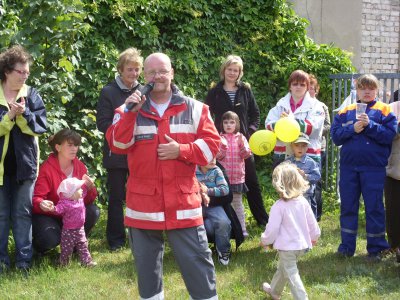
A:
x: 380, y: 38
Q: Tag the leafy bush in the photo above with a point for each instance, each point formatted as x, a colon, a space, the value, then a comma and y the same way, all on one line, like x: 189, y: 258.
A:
x: 75, y: 44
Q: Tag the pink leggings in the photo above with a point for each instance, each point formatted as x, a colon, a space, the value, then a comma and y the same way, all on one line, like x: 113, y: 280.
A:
x: 71, y: 238
x: 238, y: 206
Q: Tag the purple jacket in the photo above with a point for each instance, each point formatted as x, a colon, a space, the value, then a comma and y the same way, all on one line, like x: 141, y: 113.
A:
x: 72, y: 212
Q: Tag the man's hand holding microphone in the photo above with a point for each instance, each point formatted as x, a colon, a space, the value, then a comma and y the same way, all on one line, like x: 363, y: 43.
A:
x: 135, y: 101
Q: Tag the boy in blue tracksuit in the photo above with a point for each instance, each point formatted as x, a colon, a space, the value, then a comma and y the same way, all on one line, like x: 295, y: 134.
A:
x: 366, y: 145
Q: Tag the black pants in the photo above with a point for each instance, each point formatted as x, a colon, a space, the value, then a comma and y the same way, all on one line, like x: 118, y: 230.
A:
x: 254, y: 197
x: 115, y: 231
x: 392, y: 207
x: 46, y: 230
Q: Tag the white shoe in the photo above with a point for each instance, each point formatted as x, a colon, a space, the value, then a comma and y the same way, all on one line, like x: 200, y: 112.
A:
x: 90, y: 264
x: 223, y: 258
x: 267, y: 288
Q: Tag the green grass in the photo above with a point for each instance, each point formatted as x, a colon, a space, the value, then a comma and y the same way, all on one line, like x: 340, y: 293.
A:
x: 325, y: 276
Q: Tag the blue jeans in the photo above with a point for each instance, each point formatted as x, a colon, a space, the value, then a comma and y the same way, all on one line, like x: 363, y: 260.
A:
x: 311, y: 198
x: 218, y: 227
x: 16, y: 212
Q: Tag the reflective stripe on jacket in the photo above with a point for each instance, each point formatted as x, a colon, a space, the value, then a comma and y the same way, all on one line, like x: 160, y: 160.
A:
x: 369, y: 149
x: 25, y: 129
x: 164, y: 194
x: 310, y: 116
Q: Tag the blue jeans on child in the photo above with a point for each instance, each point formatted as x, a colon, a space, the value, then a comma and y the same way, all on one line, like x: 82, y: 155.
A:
x: 16, y: 212
x: 311, y: 198
x: 218, y: 227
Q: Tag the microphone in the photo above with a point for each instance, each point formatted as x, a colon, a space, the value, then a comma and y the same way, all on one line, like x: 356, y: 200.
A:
x: 146, y: 89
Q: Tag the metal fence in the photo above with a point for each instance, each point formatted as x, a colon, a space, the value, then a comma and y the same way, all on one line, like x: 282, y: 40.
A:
x: 341, y: 89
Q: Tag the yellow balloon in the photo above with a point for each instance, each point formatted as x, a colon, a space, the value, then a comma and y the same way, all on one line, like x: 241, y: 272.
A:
x: 287, y: 129
x: 262, y: 142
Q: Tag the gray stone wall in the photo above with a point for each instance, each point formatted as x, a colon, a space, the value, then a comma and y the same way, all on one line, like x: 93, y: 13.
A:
x: 380, y: 36
x: 369, y: 29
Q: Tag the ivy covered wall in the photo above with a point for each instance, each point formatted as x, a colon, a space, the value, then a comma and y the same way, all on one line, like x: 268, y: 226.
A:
x: 75, y: 44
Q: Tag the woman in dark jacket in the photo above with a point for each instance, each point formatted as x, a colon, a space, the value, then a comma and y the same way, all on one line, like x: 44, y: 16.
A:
x: 113, y: 95
x: 231, y: 94
x: 22, y: 120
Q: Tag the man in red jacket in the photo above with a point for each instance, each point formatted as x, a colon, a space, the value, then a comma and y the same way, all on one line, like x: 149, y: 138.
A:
x: 165, y: 136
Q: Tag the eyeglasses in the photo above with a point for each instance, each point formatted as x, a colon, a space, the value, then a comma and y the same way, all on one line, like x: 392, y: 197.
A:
x: 161, y: 73
x: 22, y: 72
x: 299, y: 84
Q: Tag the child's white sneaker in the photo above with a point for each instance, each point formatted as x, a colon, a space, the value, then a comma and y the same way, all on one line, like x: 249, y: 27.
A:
x: 90, y: 264
x: 267, y: 288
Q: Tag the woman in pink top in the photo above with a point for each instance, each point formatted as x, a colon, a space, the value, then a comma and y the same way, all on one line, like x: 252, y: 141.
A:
x: 234, y: 150
x: 292, y: 230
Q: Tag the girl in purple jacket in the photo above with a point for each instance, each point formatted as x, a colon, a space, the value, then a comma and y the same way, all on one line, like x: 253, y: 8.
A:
x: 72, y: 209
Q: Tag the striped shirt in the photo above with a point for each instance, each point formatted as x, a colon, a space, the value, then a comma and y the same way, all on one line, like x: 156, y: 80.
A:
x: 231, y: 95
x: 214, y: 180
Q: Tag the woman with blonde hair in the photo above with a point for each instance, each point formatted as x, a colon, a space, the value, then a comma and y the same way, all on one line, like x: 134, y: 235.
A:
x: 112, y: 96
x: 232, y: 94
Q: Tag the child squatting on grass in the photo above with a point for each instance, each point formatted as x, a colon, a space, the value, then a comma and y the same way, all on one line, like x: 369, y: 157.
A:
x: 292, y: 230
x: 72, y: 209
x: 216, y: 221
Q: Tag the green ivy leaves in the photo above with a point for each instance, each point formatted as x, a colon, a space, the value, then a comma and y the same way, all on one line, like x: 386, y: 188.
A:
x: 75, y: 45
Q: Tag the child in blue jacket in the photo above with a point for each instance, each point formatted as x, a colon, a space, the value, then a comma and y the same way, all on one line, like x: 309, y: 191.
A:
x: 366, y: 145
x: 216, y: 222
x: 307, y: 167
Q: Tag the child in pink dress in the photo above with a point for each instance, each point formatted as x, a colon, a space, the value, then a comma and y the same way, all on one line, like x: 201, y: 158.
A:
x: 292, y: 230
x: 72, y: 209
x: 234, y: 150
